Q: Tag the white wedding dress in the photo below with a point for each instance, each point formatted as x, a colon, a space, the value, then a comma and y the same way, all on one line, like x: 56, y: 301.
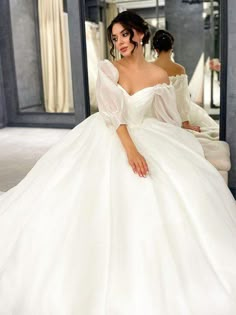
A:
x: 83, y: 235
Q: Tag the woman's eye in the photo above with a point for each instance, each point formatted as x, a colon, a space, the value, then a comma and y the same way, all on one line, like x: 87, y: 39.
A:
x: 125, y: 34
x: 114, y: 39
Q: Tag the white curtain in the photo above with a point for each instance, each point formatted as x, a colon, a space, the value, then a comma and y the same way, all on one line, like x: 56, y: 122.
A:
x: 111, y: 13
x: 103, y: 40
x: 55, y: 55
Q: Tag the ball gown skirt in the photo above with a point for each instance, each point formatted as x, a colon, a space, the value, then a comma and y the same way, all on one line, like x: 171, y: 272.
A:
x: 82, y: 234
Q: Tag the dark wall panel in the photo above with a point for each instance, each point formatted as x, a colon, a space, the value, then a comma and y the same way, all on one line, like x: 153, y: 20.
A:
x: 24, y: 27
x: 231, y: 91
x: 185, y: 22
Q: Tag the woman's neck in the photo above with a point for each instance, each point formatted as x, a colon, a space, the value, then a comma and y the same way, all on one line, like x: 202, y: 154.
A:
x: 165, y: 55
x: 135, y: 60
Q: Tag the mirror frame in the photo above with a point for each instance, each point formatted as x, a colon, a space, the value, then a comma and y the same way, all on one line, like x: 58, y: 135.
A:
x: 76, y: 12
x: 224, y: 66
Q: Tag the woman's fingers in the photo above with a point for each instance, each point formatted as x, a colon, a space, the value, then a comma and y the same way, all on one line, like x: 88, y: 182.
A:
x: 142, y: 168
x: 133, y: 167
x: 145, y: 166
x: 197, y: 128
x: 139, y: 166
x: 139, y: 170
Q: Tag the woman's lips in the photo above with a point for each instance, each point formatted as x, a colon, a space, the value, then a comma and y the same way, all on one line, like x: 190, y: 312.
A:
x: 123, y: 49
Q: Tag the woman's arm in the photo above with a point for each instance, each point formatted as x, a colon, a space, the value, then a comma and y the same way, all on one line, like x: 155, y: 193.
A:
x: 184, y: 110
x: 136, y: 160
x: 111, y: 106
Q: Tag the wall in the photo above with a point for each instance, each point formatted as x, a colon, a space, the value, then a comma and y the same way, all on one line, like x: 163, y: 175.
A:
x: 185, y: 22
x: 231, y: 92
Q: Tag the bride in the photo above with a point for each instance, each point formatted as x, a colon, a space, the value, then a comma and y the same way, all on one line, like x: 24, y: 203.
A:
x: 194, y: 118
x: 123, y: 216
x: 191, y: 114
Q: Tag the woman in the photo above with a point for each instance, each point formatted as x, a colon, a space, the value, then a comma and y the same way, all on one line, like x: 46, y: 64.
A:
x: 107, y: 222
x: 194, y: 118
x: 163, y: 42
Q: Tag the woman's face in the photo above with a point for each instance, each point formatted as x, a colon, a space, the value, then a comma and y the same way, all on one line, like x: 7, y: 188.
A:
x: 121, y: 39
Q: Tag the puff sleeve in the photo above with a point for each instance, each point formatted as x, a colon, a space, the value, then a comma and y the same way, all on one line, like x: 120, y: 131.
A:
x: 164, y: 105
x: 110, y: 98
x: 183, y: 100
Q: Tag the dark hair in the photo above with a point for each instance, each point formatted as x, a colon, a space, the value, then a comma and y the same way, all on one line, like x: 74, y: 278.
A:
x: 162, y: 41
x: 129, y: 20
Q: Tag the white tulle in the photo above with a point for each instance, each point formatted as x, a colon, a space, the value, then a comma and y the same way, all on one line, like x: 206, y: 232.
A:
x: 183, y: 100
x: 192, y: 112
x: 83, y: 235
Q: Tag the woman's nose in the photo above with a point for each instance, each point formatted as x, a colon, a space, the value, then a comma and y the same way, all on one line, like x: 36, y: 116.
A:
x: 120, y: 41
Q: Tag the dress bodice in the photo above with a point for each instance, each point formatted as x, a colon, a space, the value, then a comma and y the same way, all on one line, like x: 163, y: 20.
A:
x: 138, y: 105
x: 118, y: 107
x: 141, y: 104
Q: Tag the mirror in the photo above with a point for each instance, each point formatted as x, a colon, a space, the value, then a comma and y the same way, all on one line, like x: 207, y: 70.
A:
x: 195, y: 27
x: 42, y: 56
x: 45, y: 64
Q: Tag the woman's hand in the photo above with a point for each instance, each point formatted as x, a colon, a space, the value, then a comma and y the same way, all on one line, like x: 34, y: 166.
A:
x: 187, y: 125
x: 137, y: 162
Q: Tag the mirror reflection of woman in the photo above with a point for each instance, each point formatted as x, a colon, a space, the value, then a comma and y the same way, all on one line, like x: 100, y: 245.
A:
x: 123, y: 216
x: 193, y: 117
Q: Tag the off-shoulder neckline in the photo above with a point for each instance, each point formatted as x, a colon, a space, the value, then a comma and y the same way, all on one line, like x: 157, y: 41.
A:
x: 178, y: 76
x: 145, y: 88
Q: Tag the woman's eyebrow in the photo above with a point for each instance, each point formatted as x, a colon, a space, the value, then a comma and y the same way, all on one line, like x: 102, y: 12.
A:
x: 120, y: 32
x: 123, y: 30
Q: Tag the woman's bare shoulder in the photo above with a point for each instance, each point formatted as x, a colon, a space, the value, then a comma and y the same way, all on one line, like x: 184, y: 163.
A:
x: 119, y: 64
x: 161, y: 76
x: 179, y: 69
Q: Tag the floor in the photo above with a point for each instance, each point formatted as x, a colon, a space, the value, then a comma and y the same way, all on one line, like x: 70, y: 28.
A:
x: 20, y: 148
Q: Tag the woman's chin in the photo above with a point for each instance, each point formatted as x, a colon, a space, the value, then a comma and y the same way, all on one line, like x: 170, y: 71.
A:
x: 125, y: 53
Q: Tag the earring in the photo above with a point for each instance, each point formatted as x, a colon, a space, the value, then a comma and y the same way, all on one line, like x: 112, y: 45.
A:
x: 141, y: 43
